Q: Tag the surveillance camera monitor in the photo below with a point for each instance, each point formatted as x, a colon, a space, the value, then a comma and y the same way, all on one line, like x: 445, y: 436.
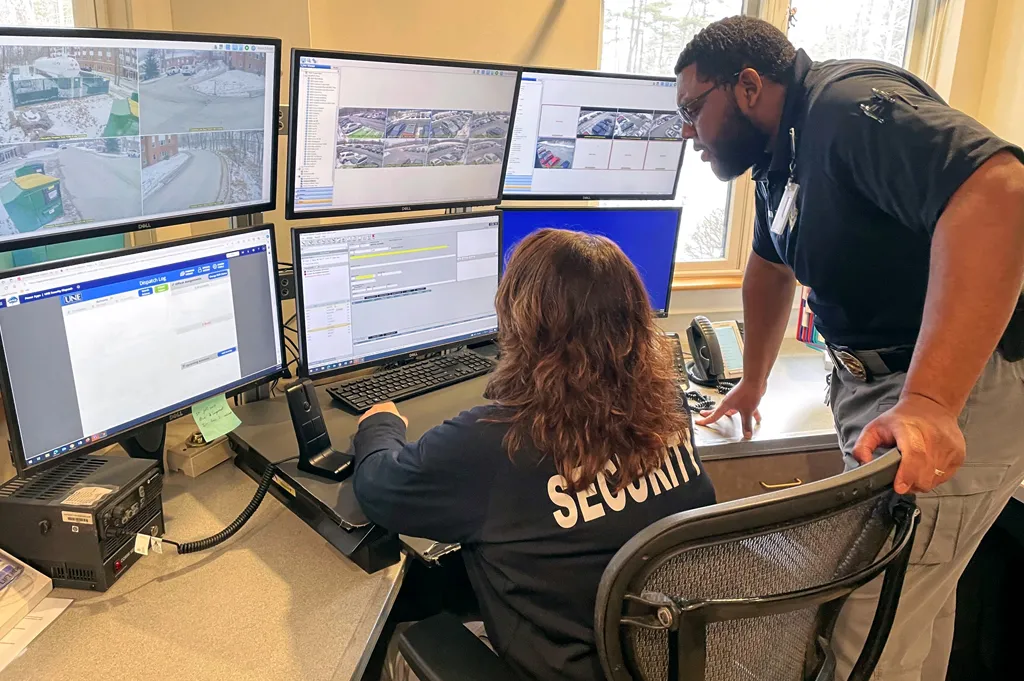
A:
x: 109, y: 131
x: 646, y: 235
x: 374, y: 293
x: 91, y: 349
x: 375, y: 133
x: 587, y: 135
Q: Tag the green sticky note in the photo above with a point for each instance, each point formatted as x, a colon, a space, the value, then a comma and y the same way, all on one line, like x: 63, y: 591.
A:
x: 214, y: 417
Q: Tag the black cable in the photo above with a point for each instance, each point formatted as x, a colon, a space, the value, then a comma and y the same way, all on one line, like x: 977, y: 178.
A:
x: 290, y: 320
x: 285, y: 264
x: 290, y: 328
x: 291, y: 345
x: 697, y: 403
x: 236, y: 524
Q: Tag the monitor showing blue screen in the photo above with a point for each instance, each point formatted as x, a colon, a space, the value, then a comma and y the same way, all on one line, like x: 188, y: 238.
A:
x: 646, y: 235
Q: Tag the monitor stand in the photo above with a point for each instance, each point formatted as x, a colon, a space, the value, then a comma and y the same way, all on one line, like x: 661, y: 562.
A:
x: 147, y: 443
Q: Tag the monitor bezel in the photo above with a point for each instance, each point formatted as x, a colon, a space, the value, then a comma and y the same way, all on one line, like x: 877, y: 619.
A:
x: 16, y: 444
x: 134, y: 225
x: 302, y: 370
x: 293, y: 115
x: 678, y: 210
x: 595, y: 197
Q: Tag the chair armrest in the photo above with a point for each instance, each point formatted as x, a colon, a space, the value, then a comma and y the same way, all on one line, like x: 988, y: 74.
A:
x: 441, y: 649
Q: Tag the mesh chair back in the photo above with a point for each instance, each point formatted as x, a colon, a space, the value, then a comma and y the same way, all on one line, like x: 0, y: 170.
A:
x: 778, y: 543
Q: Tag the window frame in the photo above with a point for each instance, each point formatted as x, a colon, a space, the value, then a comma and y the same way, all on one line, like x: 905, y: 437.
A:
x: 727, y: 272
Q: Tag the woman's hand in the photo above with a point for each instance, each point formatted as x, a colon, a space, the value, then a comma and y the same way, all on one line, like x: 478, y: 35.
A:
x: 383, y: 408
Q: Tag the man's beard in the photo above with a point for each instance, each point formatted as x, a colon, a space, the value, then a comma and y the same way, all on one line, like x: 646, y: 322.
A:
x: 739, y: 146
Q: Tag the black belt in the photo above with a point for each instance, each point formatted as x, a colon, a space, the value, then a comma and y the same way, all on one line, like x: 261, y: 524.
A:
x: 867, y: 364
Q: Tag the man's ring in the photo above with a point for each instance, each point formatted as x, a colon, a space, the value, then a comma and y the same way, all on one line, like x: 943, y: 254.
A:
x: 939, y: 473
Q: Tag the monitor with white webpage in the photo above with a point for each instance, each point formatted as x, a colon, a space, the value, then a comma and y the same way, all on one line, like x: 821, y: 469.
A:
x: 374, y: 293
x: 588, y: 135
x: 374, y: 133
x: 109, y: 131
x: 96, y: 347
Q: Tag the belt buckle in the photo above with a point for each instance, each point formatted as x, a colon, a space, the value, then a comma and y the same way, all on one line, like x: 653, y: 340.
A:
x: 851, y: 363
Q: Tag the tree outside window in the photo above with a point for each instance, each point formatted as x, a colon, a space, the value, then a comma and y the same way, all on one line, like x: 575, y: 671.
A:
x: 36, y: 13
x: 863, y: 29
x: 646, y: 37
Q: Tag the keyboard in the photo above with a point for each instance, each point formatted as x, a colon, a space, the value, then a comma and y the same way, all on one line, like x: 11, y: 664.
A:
x: 415, y: 378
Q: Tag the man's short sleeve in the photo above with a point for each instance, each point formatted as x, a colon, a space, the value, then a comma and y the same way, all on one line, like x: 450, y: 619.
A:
x: 910, y: 164
x: 763, y: 244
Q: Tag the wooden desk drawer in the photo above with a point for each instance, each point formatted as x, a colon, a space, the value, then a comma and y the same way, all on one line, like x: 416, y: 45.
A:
x: 752, y: 475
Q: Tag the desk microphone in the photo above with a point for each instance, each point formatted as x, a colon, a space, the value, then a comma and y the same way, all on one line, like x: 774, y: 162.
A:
x: 316, y: 455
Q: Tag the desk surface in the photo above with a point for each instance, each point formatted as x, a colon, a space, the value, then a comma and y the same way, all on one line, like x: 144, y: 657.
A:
x: 277, y: 601
x: 274, y: 602
x: 794, y: 416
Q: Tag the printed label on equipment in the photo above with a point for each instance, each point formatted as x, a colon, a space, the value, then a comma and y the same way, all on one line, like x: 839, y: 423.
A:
x: 71, y: 517
x: 87, y: 496
x: 142, y: 544
x: 284, y: 485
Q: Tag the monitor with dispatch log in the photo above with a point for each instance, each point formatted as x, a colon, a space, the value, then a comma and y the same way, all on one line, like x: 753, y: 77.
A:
x: 376, y: 133
x: 647, y: 235
x: 587, y: 135
x: 109, y: 131
x: 380, y: 292
x: 95, y: 347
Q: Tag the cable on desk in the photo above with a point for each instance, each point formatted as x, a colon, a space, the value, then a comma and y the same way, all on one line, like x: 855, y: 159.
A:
x: 236, y: 524
x: 697, y: 402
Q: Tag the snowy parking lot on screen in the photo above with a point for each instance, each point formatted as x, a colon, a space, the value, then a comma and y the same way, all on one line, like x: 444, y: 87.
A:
x: 95, y: 135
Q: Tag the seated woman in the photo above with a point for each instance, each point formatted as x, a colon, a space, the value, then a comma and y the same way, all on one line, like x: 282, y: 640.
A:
x: 584, y: 446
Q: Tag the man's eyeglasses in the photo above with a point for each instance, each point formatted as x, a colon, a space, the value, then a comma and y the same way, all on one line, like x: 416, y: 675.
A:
x: 691, y: 109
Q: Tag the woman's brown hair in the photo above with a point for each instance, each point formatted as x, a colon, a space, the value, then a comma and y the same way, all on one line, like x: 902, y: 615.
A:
x: 584, y: 372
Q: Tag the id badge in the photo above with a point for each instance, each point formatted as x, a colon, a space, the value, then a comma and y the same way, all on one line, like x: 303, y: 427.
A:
x: 785, y: 216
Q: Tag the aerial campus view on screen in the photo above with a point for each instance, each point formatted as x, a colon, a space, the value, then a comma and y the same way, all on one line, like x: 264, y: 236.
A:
x: 558, y: 153
x: 95, y: 135
x: 383, y: 138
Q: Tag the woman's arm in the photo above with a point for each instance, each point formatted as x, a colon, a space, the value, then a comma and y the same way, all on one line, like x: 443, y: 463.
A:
x: 435, y: 488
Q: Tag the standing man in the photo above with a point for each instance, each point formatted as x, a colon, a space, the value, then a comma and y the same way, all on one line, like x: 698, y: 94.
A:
x: 906, y: 220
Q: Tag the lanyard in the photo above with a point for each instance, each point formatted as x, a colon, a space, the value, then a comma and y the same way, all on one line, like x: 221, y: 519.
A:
x: 785, y: 216
x: 792, y: 155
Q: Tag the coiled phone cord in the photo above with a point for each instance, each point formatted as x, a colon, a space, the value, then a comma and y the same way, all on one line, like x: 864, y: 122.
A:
x: 236, y: 524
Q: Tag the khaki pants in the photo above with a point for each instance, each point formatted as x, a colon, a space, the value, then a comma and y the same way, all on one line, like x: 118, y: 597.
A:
x: 954, y: 518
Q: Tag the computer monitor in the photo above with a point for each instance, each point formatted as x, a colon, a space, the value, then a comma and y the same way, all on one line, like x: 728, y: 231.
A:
x: 646, y: 235
x: 109, y: 131
x: 374, y: 293
x: 587, y: 135
x: 94, y: 348
x: 374, y: 133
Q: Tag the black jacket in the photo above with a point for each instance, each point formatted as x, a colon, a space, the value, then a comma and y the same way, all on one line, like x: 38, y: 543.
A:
x: 534, y: 553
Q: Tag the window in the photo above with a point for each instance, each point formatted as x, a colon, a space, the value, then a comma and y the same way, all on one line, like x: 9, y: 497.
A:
x: 646, y: 36
x: 37, y: 13
x: 865, y: 29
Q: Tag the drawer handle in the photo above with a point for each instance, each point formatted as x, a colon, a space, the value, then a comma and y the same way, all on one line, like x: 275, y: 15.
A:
x: 782, y: 485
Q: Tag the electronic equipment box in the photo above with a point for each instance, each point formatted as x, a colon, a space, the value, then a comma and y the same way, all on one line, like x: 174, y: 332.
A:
x: 76, y: 522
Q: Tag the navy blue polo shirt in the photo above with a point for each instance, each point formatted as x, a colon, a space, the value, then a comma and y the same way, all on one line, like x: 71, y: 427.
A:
x: 870, y: 194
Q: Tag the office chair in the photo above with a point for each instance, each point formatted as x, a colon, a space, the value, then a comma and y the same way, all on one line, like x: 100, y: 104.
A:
x: 748, y: 590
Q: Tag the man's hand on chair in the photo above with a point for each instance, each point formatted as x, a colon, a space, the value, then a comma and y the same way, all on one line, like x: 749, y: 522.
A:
x: 927, y: 435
